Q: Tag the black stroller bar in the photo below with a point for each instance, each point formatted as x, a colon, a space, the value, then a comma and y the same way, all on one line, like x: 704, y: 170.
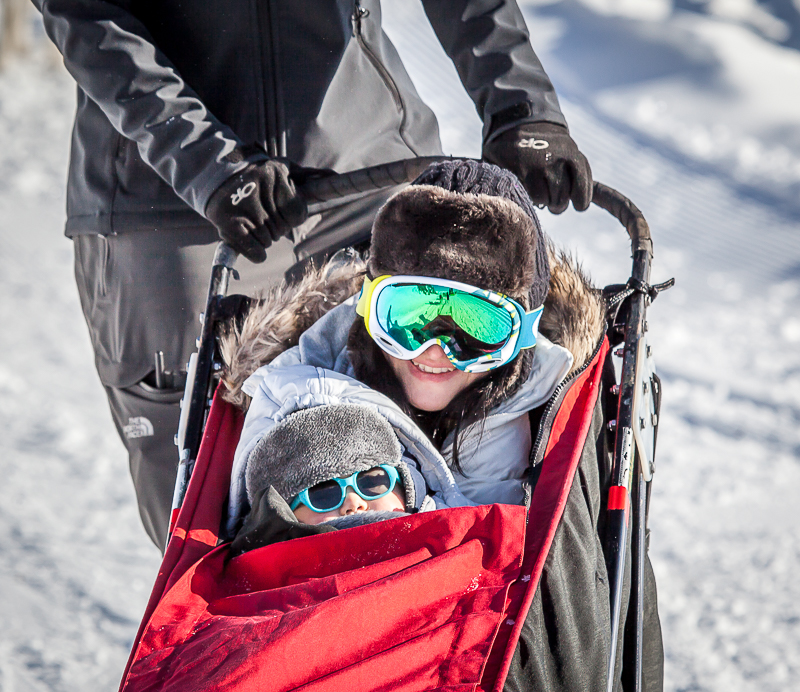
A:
x: 338, y: 186
x: 628, y: 214
x: 632, y: 469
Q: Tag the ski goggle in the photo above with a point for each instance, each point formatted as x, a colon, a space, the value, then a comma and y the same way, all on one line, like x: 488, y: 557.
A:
x: 371, y: 484
x: 479, y: 330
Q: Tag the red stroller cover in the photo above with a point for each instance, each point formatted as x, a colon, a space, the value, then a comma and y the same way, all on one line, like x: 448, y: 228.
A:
x: 434, y: 601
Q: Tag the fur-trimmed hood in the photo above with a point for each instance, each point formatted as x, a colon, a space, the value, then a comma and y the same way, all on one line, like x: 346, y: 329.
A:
x: 573, y: 316
x: 318, y: 443
x: 276, y: 319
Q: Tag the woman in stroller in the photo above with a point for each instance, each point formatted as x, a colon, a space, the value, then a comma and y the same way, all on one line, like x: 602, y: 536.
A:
x: 445, y: 326
x: 472, y: 328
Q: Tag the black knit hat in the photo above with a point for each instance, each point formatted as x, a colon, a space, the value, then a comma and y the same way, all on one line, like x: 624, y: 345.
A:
x: 466, y: 221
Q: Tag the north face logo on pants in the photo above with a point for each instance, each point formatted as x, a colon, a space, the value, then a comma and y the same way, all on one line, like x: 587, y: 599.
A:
x: 138, y: 427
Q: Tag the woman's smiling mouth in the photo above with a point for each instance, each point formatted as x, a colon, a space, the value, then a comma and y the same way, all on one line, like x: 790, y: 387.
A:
x: 431, y: 370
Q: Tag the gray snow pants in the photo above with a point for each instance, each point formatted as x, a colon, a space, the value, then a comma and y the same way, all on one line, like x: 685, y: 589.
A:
x: 142, y: 293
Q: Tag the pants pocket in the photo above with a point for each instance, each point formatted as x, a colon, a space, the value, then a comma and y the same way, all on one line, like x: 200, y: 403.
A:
x: 147, y: 420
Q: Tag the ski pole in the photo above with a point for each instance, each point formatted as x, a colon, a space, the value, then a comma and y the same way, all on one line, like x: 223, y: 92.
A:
x: 625, y: 467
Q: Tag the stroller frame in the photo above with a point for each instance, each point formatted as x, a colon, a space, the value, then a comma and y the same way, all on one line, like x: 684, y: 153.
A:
x: 638, y: 391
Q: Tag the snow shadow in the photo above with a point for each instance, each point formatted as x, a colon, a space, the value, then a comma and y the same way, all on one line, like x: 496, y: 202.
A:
x: 777, y: 21
x: 603, y: 51
x: 662, y: 84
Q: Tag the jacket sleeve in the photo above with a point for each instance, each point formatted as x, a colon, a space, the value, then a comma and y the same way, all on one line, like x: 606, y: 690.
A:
x: 489, y: 44
x: 113, y: 58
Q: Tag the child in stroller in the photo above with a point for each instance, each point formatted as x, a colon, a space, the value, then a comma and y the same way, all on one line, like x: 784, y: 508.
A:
x: 329, y: 467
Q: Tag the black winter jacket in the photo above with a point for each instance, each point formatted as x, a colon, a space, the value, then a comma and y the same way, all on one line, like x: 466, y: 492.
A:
x: 169, y: 92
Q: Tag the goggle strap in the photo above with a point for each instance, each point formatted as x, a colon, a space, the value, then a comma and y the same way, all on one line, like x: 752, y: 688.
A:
x: 529, y: 329
x: 363, y: 298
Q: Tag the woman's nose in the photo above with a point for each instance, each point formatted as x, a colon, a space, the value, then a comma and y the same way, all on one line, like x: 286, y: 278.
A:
x: 353, y: 502
x: 435, y: 353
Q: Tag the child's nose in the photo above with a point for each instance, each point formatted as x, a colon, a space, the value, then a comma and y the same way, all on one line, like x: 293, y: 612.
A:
x: 353, y: 502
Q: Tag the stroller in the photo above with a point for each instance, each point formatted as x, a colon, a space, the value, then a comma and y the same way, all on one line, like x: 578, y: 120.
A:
x: 452, y: 600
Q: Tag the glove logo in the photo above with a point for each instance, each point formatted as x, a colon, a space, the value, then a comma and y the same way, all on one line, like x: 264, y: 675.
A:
x: 242, y: 193
x: 533, y: 143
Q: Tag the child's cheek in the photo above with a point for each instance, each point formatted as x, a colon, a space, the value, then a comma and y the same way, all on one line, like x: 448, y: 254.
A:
x: 393, y: 502
x: 308, y: 516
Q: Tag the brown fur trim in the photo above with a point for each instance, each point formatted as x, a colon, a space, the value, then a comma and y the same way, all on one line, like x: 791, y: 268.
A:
x: 480, y: 240
x: 278, y: 318
x: 574, y: 312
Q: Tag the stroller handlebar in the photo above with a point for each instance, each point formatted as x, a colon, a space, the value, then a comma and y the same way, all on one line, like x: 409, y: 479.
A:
x: 225, y: 256
x: 627, y: 213
x: 340, y: 185
x: 318, y: 190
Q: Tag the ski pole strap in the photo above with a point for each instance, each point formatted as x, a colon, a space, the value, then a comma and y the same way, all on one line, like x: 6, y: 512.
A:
x: 638, y: 286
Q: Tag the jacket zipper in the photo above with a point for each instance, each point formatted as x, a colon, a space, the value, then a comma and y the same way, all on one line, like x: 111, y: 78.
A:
x: 546, y: 422
x: 360, y: 13
x: 274, y: 143
x: 280, y: 122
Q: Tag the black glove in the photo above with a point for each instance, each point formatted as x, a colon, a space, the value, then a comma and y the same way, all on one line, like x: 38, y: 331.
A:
x: 256, y: 207
x: 547, y: 161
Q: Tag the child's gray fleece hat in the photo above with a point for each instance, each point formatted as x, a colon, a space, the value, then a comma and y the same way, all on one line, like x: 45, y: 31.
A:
x: 324, y: 442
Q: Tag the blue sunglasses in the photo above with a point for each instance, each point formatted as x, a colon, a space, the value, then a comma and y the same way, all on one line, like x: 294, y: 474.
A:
x: 371, y: 484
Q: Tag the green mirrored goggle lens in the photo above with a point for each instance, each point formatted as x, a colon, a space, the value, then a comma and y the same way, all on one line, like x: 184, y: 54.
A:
x: 413, y: 314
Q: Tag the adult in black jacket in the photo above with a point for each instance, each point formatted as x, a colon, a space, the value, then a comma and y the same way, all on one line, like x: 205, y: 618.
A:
x: 188, y: 113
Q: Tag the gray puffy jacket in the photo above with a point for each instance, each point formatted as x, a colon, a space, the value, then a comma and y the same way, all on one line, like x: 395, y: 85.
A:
x: 170, y: 92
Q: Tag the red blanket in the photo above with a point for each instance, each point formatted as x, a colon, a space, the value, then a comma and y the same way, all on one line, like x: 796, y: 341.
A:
x: 434, y: 601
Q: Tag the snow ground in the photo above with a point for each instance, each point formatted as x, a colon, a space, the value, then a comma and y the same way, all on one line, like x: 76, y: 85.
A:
x: 695, y: 117
x: 75, y: 567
